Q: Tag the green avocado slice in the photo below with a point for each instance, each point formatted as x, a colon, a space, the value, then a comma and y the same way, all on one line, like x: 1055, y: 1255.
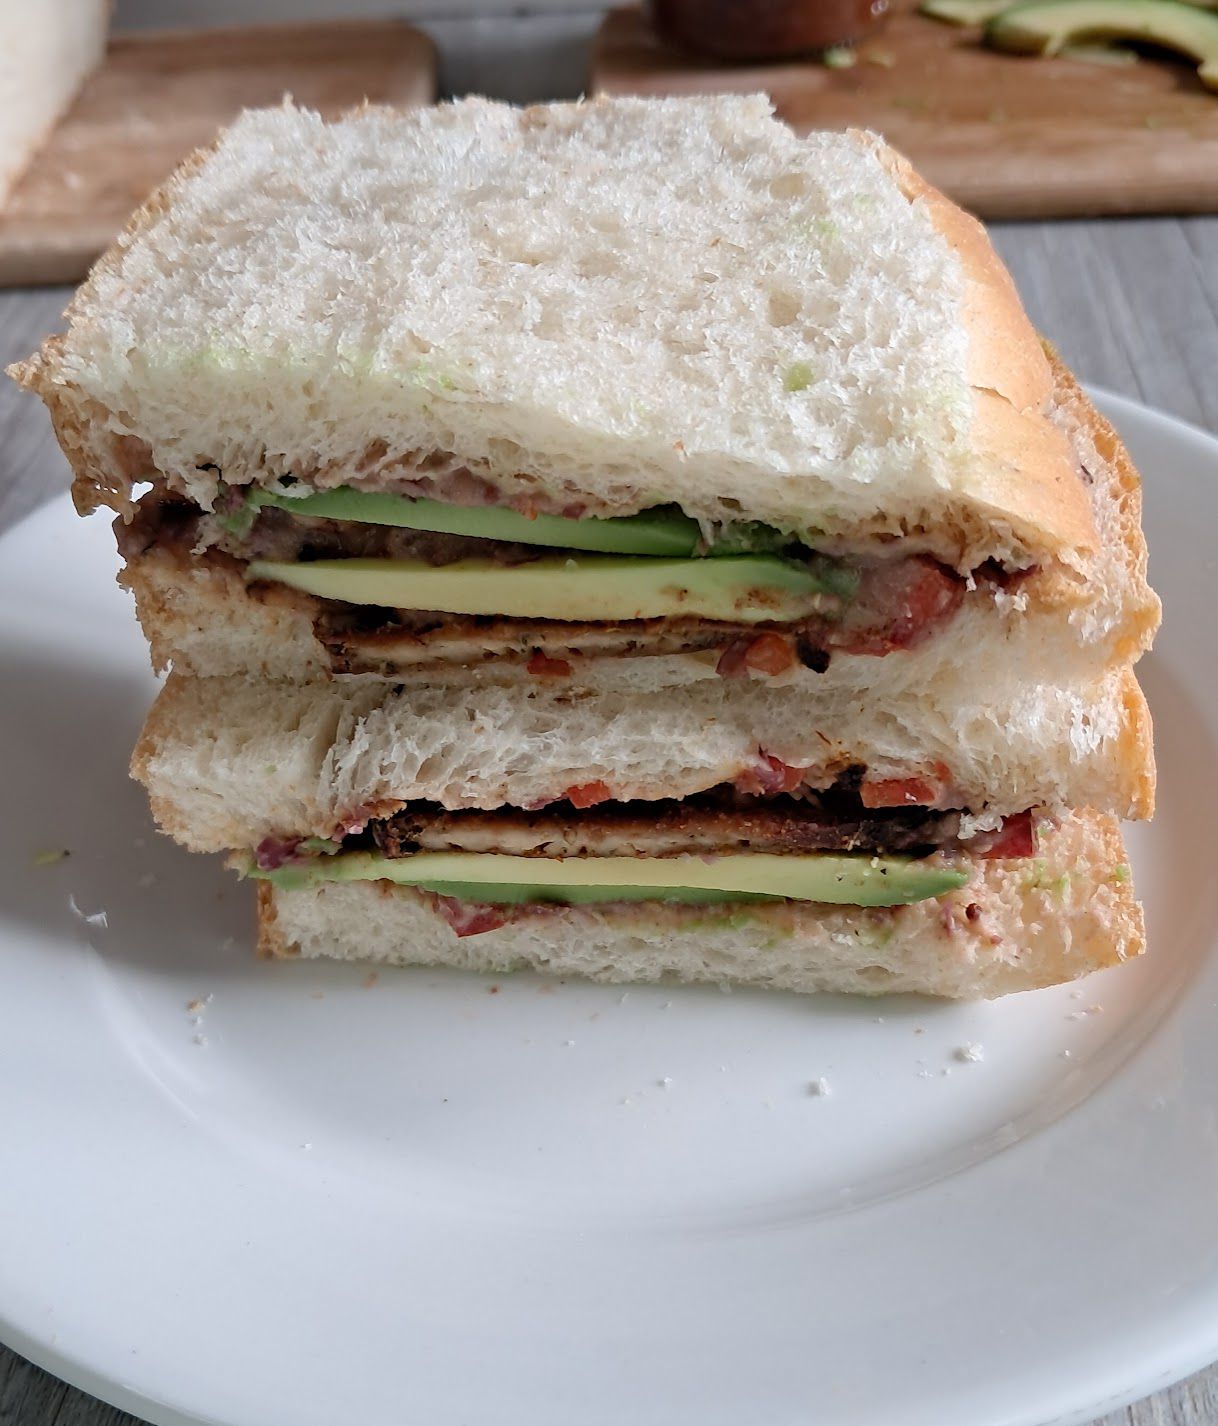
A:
x: 741, y: 588
x: 1046, y: 26
x: 498, y: 878
x: 494, y: 895
x: 963, y: 12
x: 654, y: 532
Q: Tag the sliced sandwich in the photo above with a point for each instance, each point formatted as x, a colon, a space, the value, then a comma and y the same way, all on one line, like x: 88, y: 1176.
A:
x: 613, y: 837
x: 539, y: 394
x: 618, y: 538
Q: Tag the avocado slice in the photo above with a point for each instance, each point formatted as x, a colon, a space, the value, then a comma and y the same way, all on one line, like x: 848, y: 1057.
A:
x: 743, y: 588
x: 498, y: 878
x: 654, y: 532
x: 496, y: 895
x: 1047, y: 26
x: 963, y: 12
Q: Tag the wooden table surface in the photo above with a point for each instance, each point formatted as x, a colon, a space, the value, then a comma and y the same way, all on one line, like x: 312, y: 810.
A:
x: 1131, y: 303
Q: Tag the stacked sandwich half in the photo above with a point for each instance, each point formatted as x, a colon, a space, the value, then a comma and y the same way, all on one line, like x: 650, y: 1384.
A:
x: 622, y: 539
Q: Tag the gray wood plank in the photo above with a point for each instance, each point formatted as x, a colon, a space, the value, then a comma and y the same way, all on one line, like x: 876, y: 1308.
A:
x: 1132, y: 304
x: 32, y: 468
x: 28, y: 1395
x: 81, y: 1410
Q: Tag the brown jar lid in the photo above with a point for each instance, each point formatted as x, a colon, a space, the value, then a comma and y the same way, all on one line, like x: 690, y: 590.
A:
x: 764, y: 29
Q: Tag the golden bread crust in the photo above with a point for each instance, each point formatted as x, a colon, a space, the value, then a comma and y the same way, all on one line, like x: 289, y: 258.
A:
x: 1120, y: 500
x: 80, y: 423
x: 1029, y: 478
x: 1137, y: 752
x: 271, y: 944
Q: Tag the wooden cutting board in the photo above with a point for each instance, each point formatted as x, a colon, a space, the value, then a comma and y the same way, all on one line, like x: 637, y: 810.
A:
x: 158, y: 95
x: 1005, y: 135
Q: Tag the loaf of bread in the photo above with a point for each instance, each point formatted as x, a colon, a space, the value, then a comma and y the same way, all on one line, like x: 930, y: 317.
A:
x: 46, y: 50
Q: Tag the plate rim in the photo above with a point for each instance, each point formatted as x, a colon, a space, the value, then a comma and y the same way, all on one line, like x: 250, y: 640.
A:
x: 1079, y: 1407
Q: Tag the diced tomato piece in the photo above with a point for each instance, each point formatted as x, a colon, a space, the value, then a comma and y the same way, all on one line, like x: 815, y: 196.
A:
x: 1015, y: 838
x: 770, y: 775
x: 275, y: 852
x: 898, y: 792
x: 930, y: 595
x: 469, y: 918
x: 588, y: 794
x: 900, y: 605
x: 732, y: 660
x: 770, y: 654
x: 925, y: 791
x: 542, y: 666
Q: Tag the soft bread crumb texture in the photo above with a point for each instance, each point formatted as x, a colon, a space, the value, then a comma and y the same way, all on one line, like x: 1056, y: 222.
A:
x: 603, y: 300
x: 198, y: 616
x: 1017, y: 925
x: 229, y: 761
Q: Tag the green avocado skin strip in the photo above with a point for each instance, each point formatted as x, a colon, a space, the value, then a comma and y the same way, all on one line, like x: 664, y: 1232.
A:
x: 661, y: 532
x: 851, y: 880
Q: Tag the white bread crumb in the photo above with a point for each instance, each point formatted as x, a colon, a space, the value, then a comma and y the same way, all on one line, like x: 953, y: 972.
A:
x: 98, y: 918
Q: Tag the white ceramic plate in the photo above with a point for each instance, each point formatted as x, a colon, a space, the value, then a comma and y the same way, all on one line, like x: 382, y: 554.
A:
x: 438, y: 1199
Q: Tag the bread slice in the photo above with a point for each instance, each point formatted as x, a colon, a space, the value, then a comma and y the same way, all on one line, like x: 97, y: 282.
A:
x: 199, y: 618
x: 1017, y: 925
x: 611, y: 304
x: 228, y: 762
x: 46, y: 50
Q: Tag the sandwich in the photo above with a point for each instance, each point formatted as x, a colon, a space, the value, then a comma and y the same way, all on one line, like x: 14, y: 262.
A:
x: 623, y: 837
x: 620, y: 538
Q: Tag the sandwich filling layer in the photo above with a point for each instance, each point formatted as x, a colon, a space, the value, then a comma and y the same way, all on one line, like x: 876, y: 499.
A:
x: 723, y: 846
x: 387, y: 576
x: 494, y: 878
x: 1075, y: 896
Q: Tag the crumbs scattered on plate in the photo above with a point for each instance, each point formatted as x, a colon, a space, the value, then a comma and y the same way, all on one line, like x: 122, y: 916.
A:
x: 97, y: 918
x: 195, y: 1009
